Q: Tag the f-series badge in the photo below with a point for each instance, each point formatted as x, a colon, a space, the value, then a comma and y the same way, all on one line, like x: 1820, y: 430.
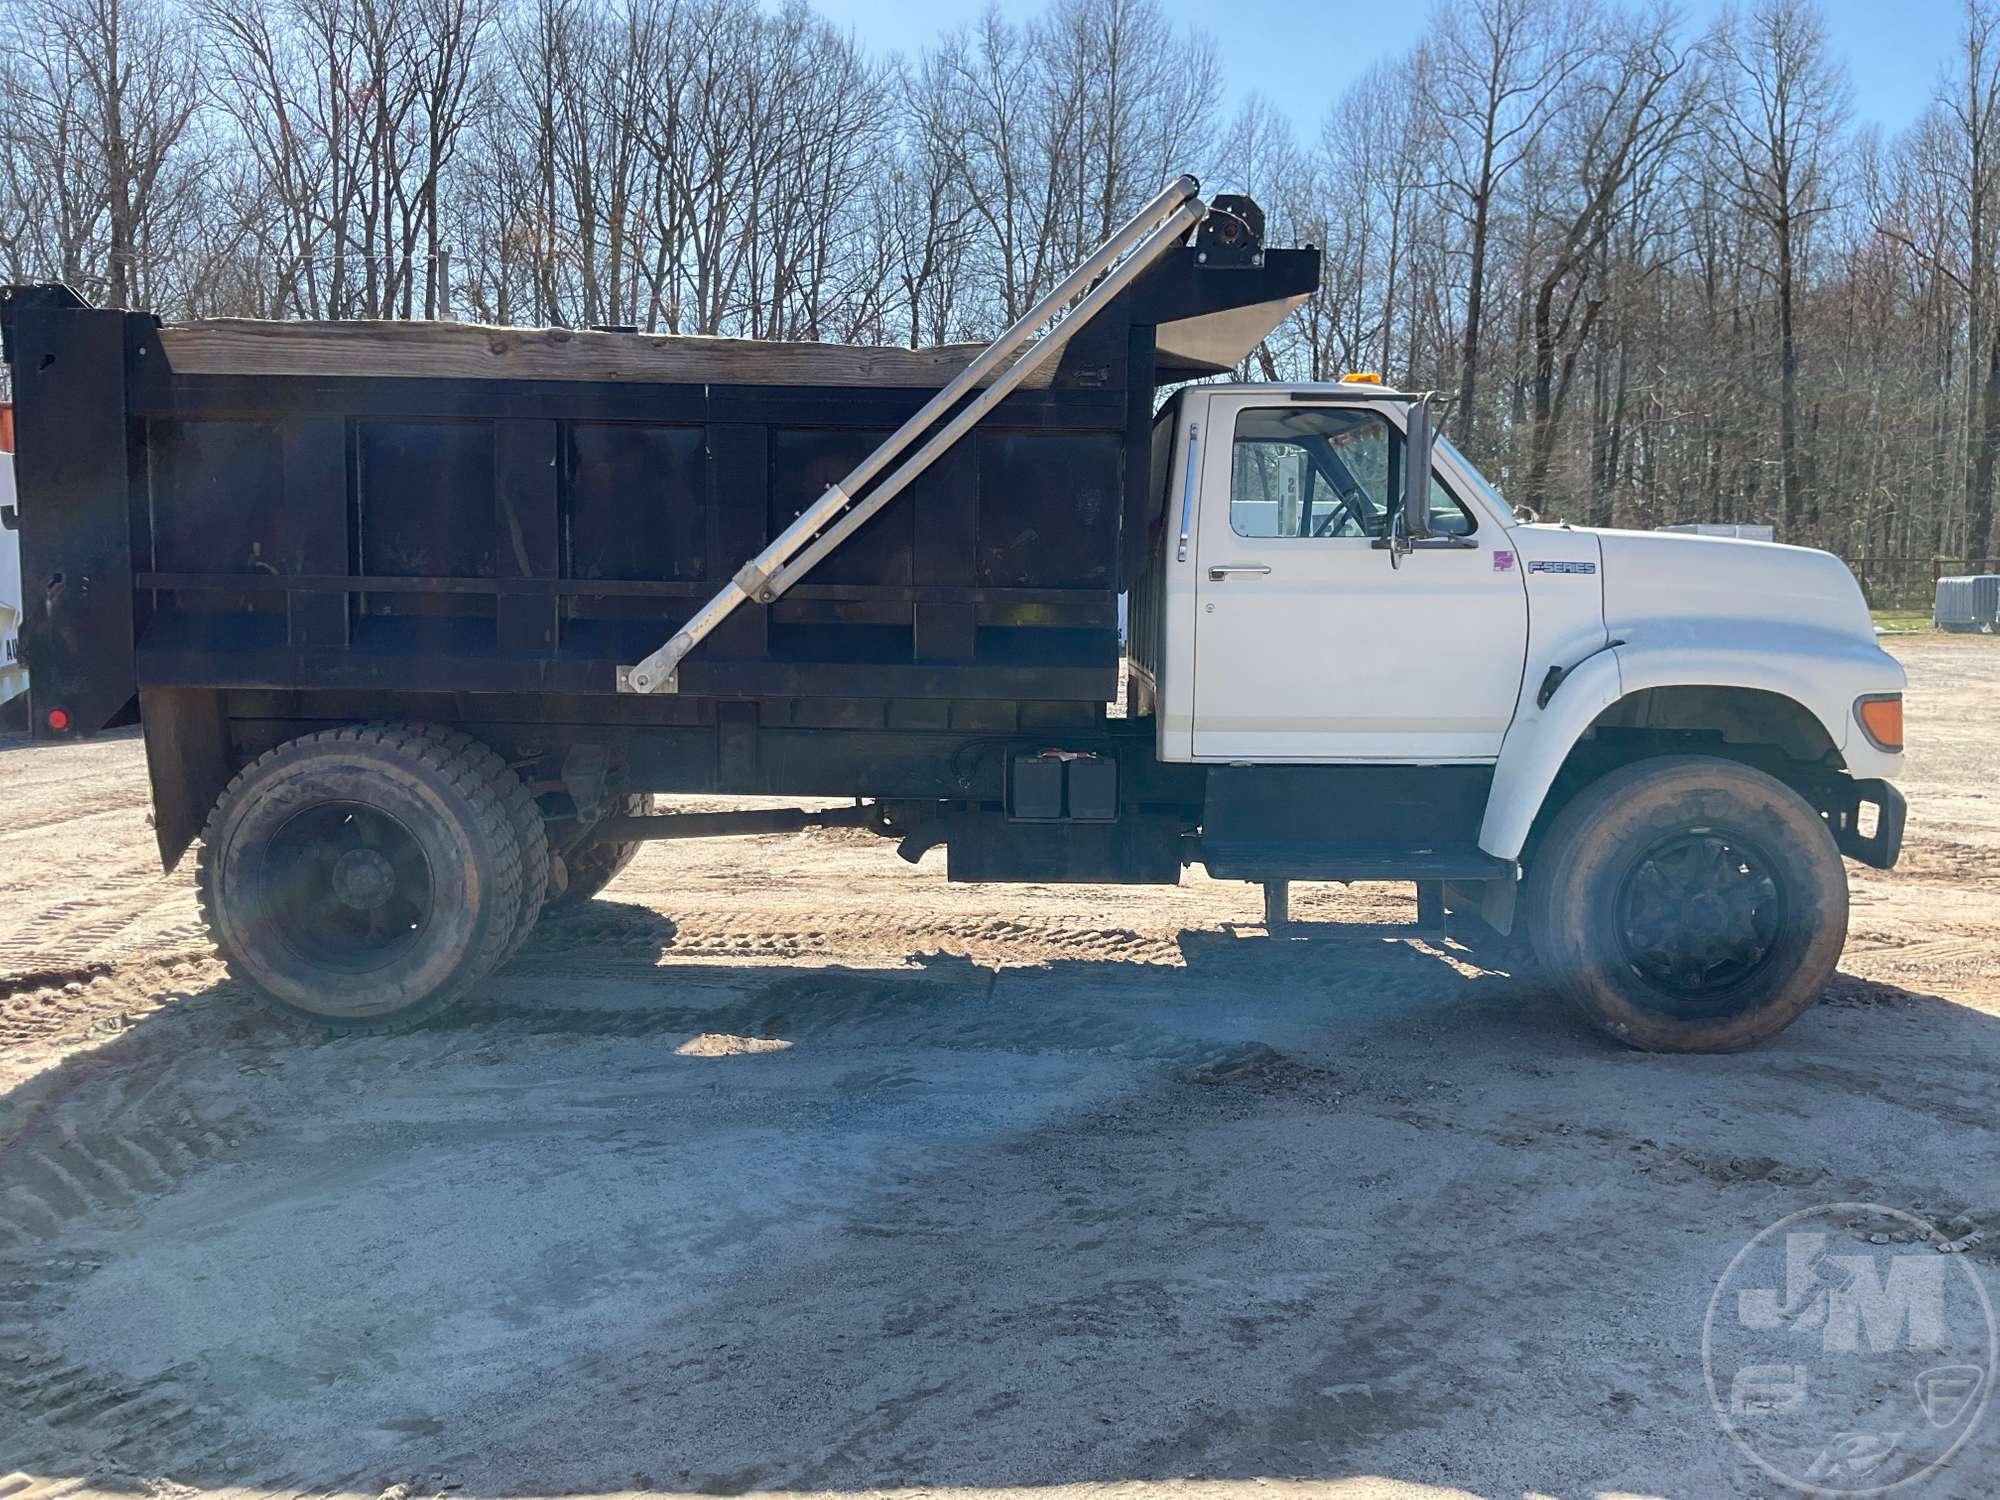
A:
x: 1562, y: 567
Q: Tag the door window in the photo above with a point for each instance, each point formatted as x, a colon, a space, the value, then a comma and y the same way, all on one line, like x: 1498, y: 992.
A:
x: 1317, y: 471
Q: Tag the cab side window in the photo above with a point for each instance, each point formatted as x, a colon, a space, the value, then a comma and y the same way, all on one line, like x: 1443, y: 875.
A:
x: 1448, y: 516
x: 1322, y: 471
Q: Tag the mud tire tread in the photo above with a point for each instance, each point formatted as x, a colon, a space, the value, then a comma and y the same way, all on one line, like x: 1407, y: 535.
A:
x: 530, y: 833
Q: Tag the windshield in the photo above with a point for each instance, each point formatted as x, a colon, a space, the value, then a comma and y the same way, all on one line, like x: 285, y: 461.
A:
x: 1471, y: 471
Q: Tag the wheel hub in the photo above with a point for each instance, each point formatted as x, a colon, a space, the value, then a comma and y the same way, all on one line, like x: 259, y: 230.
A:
x: 1706, y: 916
x: 363, y: 879
x: 350, y: 886
x: 1700, y: 912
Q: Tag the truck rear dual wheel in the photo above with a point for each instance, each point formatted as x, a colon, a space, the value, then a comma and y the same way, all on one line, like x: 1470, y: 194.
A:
x: 530, y: 832
x: 1689, y: 904
x: 363, y: 879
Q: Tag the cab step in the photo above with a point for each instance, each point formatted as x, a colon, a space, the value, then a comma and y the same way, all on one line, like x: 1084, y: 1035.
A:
x: 1316, y: 860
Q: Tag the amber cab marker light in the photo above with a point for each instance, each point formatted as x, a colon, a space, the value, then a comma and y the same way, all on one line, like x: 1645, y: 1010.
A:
x: 1881, y: 718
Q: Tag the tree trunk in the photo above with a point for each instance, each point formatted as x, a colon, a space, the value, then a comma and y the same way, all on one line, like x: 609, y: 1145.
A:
x: 1979, y: 506
x: 1475, y: 294
x: 1788, y: 394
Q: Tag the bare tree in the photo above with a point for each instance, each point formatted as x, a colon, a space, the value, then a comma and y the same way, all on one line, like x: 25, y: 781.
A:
x: 1621, y: 119
x: 1499, y: 67
x: 105, y: 93
x: 1972, y: 166
x: 1786, y: 104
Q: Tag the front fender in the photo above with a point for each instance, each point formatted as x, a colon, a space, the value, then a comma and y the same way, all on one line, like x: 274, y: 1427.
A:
x: 1537, y: 744
x: 1822, y: 670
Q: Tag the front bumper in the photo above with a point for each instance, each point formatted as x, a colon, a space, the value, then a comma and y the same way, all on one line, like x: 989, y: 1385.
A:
x: 1843, y: 815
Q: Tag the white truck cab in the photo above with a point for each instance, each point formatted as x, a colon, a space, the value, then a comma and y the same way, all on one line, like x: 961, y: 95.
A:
x: 1313, y: 608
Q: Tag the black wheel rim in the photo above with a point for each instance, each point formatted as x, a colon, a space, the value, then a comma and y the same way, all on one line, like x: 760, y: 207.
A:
x: 350, y: 886
x: 1699, y: 915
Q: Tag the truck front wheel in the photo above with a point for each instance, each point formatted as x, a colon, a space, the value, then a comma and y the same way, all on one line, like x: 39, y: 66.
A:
x: 1688, y: 904
x: 362, y: 879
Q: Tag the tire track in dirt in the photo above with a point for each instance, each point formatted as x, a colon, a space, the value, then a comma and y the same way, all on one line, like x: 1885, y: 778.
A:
x: 121, y: 910
x: 20, y: 1486
x: 1938, y: 951
x: 839, y: 1011
x: 111, y: 871
x: 81, y: 1422
x: 101, y: 807
x: 92, y: 1152
x: 725, y: 934
x: 115, y: 1130
x: 50, y: 1005
x: 66, y: 1165
x: 1946, y: 860
x: 82, y: 884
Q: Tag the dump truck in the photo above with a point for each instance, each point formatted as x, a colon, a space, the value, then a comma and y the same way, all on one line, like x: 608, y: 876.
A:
x: 417, y: 621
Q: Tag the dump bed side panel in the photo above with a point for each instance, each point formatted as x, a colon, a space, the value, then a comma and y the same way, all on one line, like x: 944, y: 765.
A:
x: 481, y: 538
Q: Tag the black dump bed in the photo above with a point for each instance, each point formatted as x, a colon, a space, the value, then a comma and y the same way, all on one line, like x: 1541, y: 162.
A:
x: 355, y: 509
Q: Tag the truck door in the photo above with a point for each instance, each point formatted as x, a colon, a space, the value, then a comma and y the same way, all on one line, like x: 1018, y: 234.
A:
x: 1309, y: 644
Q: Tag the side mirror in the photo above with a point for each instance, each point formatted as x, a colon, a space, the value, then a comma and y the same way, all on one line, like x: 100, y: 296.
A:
x: 1417, y: 471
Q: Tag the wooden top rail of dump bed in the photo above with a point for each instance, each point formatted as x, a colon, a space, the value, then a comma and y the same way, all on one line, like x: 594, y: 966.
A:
x: 472, y: 351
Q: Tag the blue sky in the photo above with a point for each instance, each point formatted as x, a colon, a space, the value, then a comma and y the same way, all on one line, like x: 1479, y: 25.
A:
x: 1300, y: 56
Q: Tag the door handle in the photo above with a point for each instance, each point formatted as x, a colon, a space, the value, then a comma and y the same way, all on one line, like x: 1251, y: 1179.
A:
x: 1222, y: 570
x: 1187, y: 491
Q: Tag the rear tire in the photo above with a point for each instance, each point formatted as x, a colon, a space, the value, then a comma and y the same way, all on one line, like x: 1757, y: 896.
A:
x: 1689, y: 904
x: 594, y: 866
x: 363, y: 879
x: 524, y: 815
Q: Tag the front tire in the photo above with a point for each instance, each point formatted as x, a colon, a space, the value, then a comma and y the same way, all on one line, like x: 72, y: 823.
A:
x: 362, y: 879
x: 1689, y: 904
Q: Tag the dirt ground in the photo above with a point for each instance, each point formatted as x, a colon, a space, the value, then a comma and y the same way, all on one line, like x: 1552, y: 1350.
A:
x: 787, y: 1167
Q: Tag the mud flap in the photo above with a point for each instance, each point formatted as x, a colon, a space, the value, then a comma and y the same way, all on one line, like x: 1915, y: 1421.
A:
x: 1493, y: 902
x: 1884, y: 846
x: 187, y: 759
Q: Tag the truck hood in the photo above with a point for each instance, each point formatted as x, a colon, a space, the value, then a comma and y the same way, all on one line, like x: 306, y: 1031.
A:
x: 1686, y: 610
x: 1652, y: 579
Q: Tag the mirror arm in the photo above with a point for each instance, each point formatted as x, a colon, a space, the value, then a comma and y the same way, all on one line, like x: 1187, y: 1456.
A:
x: 1397, y: 542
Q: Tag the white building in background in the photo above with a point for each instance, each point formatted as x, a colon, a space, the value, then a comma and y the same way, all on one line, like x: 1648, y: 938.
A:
x: 1726, y: 528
